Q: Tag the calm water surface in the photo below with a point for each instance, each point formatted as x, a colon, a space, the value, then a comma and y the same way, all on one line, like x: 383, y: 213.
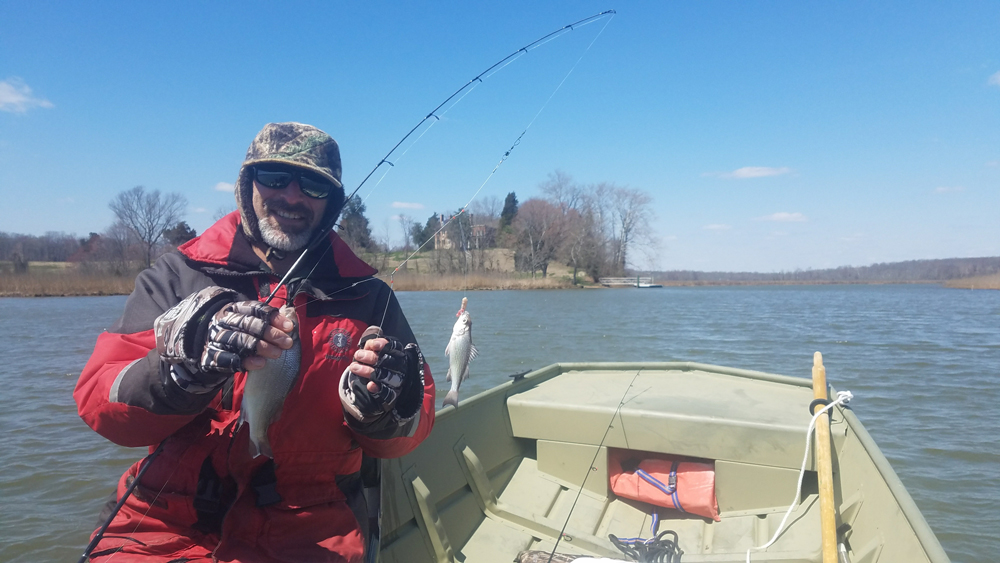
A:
x: 922, y: 362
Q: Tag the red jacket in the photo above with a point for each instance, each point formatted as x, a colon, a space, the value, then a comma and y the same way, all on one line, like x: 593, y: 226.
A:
x: 204, y: 496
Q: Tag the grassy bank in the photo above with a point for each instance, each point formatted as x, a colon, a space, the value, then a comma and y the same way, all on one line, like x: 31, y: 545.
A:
x: 63, y: 284
x: 62, y: 279
x: 978, y: 282
x: 455, y: 282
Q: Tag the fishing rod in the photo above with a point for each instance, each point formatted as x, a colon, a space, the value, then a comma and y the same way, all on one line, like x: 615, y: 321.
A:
x: 114, y: 512
x: 433, y: 114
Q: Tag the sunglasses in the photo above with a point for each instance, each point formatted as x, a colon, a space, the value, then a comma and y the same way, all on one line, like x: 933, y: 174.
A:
x: 312, y: 185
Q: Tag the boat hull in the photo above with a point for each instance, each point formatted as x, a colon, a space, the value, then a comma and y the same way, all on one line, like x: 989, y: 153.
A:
x: 509, y: 468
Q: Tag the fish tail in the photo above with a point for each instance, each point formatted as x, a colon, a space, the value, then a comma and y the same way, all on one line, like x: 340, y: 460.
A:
x: 260, y: 447
x: 451, y: 399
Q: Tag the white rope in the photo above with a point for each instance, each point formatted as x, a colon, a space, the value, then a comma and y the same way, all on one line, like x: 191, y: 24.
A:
x: 843, y: 397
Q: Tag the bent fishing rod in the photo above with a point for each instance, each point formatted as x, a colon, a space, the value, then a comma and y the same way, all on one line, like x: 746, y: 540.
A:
x: 433, y: 114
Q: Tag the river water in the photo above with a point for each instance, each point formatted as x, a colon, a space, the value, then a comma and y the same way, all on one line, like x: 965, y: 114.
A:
x: 922, y: 362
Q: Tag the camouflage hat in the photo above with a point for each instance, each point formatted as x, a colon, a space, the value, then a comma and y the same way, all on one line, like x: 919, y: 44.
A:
x: 294, y: 144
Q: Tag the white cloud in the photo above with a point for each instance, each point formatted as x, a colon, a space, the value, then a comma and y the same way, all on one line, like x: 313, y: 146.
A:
x: 784, y: 217
x: 995, y: 79
x: 16, y: 97
x: 405, y: 205
x: 993, y: 163
x: 948, y: 189
x: 751, y: 172
x: 198, y: 210
x: 717, y: 227
x: 224, y: 187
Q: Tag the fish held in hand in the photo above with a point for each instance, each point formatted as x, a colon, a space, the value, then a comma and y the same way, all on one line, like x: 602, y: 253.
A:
x: 460, y: 352
x: 265, y: 390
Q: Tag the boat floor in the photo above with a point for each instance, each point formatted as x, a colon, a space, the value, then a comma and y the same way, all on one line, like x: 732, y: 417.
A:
x: 542, y: 498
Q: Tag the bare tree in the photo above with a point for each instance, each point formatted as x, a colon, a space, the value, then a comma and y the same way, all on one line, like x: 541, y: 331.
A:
x: 631, y: 220
x: 223, y: 210
x: 147, y: 214
x: 562, y: 191
x: 539, y: 225
x: 487, y: 210
x: 117, y: 248
x: 406, y: 223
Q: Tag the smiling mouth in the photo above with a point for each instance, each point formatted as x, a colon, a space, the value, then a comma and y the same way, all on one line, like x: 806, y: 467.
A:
x: 289, y: 215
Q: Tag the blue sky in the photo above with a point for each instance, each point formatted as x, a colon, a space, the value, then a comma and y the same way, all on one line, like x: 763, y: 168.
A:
x: 771, y: 135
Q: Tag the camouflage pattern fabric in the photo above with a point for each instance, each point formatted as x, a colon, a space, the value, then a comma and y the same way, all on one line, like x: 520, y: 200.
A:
x: 233, y: 335
x: 210, y: 334
x: 292, y: 144
x: 177, y: 329
x: 543, y: 557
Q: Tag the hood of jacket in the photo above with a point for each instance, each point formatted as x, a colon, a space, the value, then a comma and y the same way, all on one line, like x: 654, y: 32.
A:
x: 291, y: 144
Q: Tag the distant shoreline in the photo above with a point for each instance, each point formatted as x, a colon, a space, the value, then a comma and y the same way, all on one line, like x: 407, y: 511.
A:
x: 67, y: 279
x: 86, y: 286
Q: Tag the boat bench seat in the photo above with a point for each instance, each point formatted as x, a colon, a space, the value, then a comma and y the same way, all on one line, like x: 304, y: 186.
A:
x: 692, y: 410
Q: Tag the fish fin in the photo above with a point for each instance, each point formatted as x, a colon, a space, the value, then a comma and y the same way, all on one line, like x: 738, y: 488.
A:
x: 465, y: 374
x: 448, y: 376
x: 447, y: 349
x: 473, y: 352
x: 451, y: 399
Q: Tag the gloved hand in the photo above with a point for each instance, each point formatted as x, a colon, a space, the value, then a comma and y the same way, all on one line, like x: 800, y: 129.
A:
x: 212, y: 336
x: 385, y: 377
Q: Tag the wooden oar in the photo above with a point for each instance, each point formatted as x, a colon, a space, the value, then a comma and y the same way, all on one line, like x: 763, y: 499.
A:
x: 824, y: 465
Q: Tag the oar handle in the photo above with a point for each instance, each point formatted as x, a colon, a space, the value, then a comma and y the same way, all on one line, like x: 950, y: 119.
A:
x: 824, y: 465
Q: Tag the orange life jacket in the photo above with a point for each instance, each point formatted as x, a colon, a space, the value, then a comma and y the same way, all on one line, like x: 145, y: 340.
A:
x: 662, y: 480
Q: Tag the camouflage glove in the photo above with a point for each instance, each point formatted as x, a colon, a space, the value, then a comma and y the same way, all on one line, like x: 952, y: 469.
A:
x: 206, y: 336
x: 399, y: 372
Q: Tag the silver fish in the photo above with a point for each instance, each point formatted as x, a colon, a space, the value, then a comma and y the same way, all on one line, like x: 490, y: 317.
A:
x: 265, y: 389
x: 460, y: 352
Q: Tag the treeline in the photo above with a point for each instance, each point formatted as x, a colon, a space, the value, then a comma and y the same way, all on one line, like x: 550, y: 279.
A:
x: 595, y: 229
x: 50, y: 247
x: 147, y: 224
x: 908, y: 271
x: 592, y: 228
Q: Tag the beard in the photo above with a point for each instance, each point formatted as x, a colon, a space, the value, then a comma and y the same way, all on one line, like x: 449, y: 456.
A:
x: 280, y: 239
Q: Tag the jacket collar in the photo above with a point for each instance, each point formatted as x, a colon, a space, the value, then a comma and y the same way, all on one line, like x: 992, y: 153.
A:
x: 224, y: 246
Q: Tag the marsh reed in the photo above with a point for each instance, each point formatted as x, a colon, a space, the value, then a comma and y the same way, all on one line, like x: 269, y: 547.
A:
x: 50, y: 284
x: 458, y: 282
x: 979, y: 282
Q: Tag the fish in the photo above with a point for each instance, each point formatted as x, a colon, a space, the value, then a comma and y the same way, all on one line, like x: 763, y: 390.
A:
x: 265, y: 390
x: 460, y: 352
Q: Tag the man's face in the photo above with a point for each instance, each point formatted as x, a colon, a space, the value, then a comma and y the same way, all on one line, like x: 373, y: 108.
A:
x: 286, y: 217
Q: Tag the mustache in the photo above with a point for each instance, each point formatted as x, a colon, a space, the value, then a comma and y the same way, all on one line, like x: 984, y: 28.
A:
x: 279, y: 205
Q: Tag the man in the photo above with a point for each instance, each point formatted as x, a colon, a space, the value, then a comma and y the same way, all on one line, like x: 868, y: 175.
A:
x: 171, y: 373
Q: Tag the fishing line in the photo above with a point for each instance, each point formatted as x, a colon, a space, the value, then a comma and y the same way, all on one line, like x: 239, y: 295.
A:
x: 517, y: 141
x: 590, y: 467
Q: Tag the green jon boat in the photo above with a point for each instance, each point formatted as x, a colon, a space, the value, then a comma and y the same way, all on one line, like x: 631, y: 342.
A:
x: 500, y: 474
